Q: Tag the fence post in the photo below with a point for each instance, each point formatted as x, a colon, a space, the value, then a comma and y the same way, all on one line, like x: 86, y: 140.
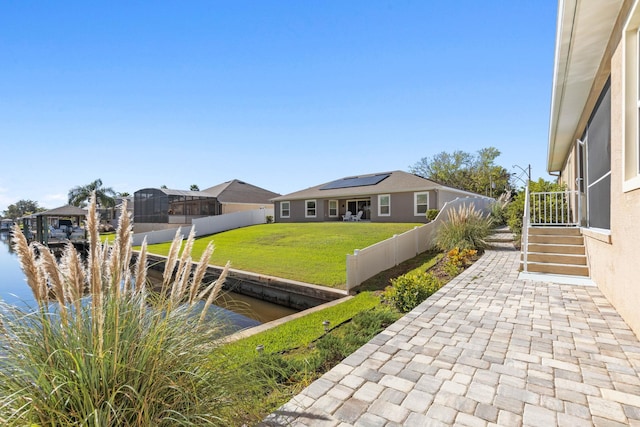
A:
x: 352, y: 270
x: 395, y: 249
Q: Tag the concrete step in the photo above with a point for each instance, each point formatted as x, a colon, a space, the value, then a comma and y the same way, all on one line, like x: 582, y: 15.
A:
x: 565, y: 231
x: 501, y: 246
x: 556, y: 239
x: 502, y: 237
x: 556, y: 258
x: 502, y: 230
x: 553, y: 268
x: 557, y: 249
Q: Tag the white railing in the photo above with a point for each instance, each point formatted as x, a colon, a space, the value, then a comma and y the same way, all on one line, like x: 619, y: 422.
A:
x: 525, y: 228
x: 553, y: 208
x: 207, y: 225
x: 561, y: 208
x: 366, y: 263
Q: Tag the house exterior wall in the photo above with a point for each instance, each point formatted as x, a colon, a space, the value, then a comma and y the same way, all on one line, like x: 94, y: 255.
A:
x: 298, y: 211
x: 402, y: 208
x: 442, y: 198
x: 239, y: 207
x: 613, y: 255
x: 613, y: 259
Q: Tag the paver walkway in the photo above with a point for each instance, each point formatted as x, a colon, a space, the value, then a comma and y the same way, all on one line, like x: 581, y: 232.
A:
x: 487, y: 349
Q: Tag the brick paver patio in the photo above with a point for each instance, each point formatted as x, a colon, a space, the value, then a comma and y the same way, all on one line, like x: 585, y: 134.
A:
x: 488, y: 349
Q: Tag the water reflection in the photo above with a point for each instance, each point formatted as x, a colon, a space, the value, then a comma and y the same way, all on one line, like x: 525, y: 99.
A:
x: 241, y: 310
x: 13, y: 284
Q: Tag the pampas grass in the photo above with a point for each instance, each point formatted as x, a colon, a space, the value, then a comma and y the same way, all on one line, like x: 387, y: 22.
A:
x: 100, y: 348
x: 465, y: 228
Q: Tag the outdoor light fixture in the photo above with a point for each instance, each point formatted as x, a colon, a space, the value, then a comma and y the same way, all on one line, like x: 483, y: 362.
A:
x: 260, y: 349
x: 527, y: 171
x: 326, y: 324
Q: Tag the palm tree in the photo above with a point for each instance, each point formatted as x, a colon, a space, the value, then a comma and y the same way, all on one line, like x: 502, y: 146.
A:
x: 78, y: 196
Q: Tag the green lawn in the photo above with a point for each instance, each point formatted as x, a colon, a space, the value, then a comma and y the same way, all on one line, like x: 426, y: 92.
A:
x: 302, y: 331
x: 308, y: 252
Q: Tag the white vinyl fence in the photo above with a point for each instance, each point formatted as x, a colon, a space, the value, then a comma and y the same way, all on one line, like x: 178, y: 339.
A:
x: 207, y: 225
x: 367, y: 262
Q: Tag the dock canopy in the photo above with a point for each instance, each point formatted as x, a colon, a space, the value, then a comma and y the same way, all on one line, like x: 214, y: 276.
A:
x: 74, y: 213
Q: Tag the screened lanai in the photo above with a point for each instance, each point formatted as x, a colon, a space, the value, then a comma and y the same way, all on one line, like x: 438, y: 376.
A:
x: 161, y: 205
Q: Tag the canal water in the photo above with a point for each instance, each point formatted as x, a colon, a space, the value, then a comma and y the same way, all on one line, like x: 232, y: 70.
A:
x: 242, y: 311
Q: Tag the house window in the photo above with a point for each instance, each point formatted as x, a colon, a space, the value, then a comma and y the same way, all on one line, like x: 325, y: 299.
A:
x: 333, y: 208
x: 384, y: 205
x: 310, y: 208
x: 631, y: 146
x: 285, y: 209
x: 420, y: 203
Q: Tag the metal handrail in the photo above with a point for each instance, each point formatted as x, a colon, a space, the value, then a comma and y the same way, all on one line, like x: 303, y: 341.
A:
x: 525, y: 228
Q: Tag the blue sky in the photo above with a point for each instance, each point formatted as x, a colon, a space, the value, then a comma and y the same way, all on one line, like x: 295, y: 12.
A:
x: 281, y: 94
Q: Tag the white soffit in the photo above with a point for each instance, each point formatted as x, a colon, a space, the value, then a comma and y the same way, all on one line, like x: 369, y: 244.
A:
x: 583, y: 31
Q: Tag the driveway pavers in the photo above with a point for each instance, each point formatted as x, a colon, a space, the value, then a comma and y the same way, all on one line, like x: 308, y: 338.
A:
x: 488, y: 349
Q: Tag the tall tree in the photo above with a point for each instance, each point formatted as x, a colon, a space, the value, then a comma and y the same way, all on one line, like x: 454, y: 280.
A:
x: 476, y: 173
x: 105, y: 196
x: 449, y: 169
x: 22, y: 208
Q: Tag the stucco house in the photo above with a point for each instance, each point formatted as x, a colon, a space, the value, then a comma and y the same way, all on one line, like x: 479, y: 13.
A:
x: 594, y: 138
x: 395, y: 196
x: 158, y: 208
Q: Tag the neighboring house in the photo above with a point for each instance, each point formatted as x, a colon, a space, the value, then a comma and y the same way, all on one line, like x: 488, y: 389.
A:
x: 594, y: 138
x: 158, y: 208
x: 382, y: 197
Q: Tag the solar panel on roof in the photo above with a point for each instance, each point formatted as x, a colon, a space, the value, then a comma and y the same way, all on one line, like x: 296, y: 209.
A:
x: 355, y: 181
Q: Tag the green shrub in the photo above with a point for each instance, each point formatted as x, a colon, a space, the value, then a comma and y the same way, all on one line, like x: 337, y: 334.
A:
x: 331, y: 350
x: 465, y: 228
x: 409, y: 290
x: 451, y: 268
x: 361, y: 329
x: 269, y: 219
x: 498, y: 211
x: 432, y: 214
x: 515, y: 209
x: 457, y: 260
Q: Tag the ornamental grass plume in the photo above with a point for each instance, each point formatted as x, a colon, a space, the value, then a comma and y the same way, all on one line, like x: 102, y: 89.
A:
x: 100, y: 348
x: 465, y: 228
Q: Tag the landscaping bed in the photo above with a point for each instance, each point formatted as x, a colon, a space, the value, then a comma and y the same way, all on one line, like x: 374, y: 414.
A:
x: 286, y: 359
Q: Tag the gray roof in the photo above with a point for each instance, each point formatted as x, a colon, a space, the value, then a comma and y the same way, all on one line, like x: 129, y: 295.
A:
x: 236, y: 191
x: 375, y: 183
x: 67, y: 210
